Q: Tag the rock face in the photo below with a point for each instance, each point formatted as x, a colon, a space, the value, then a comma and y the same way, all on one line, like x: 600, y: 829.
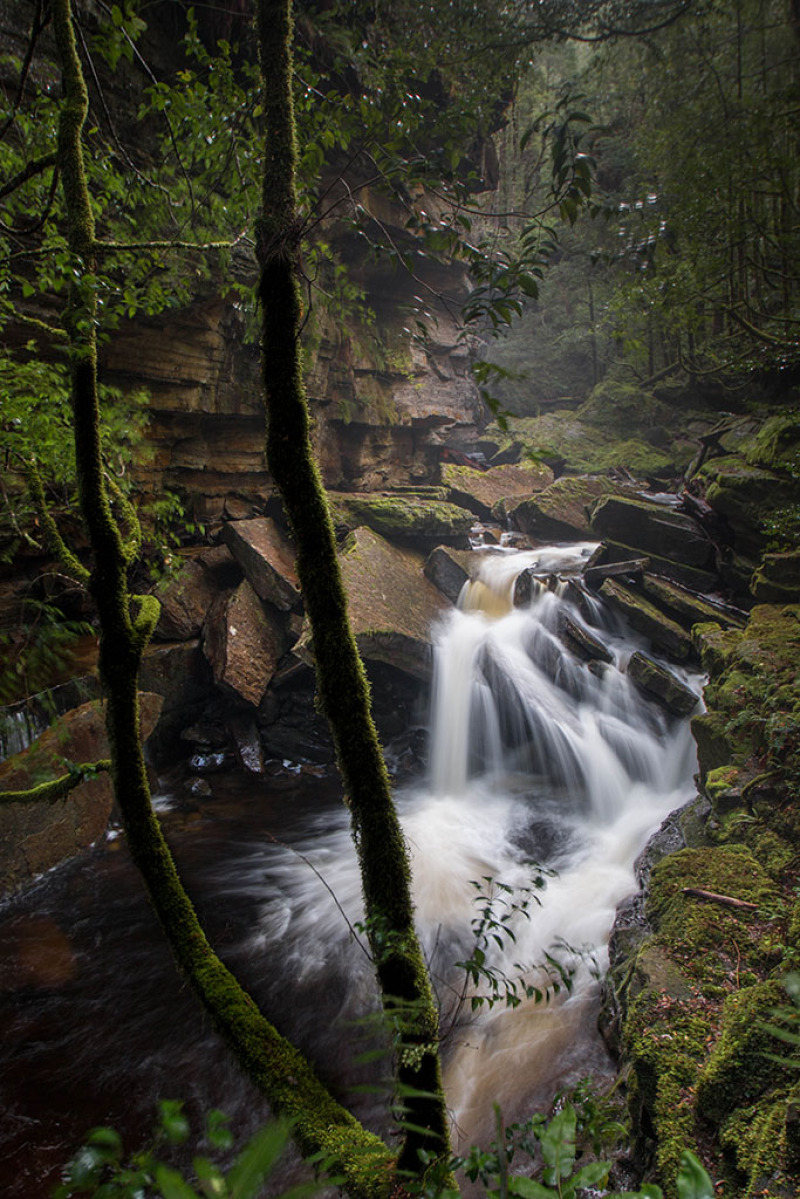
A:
x: 34, y: 837
x: 266, y: 560
x: 481, y: 491
x: 243, y: 643
x: 392, y: 605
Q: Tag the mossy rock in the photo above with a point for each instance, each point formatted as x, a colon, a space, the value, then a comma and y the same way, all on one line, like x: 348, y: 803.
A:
x: 777, y: 580
x: 402, y: 517
x: 621, y: 407
x: 762, y: 1141
x: 585, y: 449
x: 685, y: 606
x: 777, y: 444
x: 561, y: 511
x: 738, y: 1069
x: 484, y: 491
x: 723, y: 788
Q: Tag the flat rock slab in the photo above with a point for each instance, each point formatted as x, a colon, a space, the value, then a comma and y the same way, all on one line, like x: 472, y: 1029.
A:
x: 402, y: 517
x: 450, y: 569
x: 36, y: 836
x: 243, y: 643
x: 266, y: 560
x: 561, y: 511
x: 687, y: 608
x: 661, y: 685
x: 643, y: 616
x: 652, y: 529
x: 481, y: 490
x: 392, y: 605
x: 701, y: 581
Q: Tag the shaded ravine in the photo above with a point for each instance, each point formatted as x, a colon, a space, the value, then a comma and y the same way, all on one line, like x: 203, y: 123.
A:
x: 536, y: 759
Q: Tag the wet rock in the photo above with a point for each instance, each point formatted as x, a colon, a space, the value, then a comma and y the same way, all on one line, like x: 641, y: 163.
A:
x: 700, y: 581
x: 527, y: 585
x: 266, y: 560
x: 596, y: 572
x: 652, y: 529
x: 643, y: 616
x: 561, y: 511
x: 450, y: 569
x: 34, y: 837
x: 583, y: 644
x: 200, y: 788
x: 244, y: 730
x: 392, y: 605
x: 403, y: 516
x: 481, y: 491
x: 208, y: 763
x: 205, y: 736
x: 777, y: 580
x: 243, y: 643
x: 185, y: 597
x: 662, y: 685
x: 688, y: 608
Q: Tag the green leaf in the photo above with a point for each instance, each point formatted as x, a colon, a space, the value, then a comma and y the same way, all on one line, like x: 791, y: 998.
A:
x: 257, y: 1159
x: 174, y: 1124
x: 693, y: 1180
x: 529, y: 1188
x: 557, y: 1141
x: 173, y: 1185
x: 592, y: 1174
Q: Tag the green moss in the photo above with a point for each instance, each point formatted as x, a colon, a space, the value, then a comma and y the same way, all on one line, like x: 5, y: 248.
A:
x: 402, y: 515
x: 763, y: 1144
x: 586, y: 448
x: 738, y: 1069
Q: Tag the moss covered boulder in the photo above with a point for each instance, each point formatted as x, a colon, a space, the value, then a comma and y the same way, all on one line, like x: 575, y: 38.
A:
x: 561, y: 511
x: 583, y: 448
x: 485, y: 491
x: 421, y: 520
x: 777, y: 580
x: 37, y: 836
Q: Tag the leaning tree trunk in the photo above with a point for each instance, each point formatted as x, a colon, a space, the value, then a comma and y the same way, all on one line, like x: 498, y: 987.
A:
x: 321, y: 1125
x: 343, y: 688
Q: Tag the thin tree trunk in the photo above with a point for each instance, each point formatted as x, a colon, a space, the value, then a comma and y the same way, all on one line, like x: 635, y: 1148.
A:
x: 344, y: 691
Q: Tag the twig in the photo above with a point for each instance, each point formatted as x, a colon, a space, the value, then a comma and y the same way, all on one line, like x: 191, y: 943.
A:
x: 727, y: 901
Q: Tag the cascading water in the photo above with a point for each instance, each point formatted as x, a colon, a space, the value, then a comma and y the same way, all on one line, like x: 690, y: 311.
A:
x: 537, y: 759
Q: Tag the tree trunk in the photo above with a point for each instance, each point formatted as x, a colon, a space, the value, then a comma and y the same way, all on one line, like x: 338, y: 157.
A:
x: 344, y: 691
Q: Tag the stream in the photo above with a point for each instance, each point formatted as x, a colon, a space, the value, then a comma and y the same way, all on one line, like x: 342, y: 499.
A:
x: 546, y: 778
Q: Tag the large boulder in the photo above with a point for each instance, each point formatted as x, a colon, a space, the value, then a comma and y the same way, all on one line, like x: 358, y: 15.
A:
x: 417, y: 519
x: 185, y: 597
x: 583, y: 448
x: 482, y: 490
x: 561, y: 511
x: 36, y: 836
x: 243, y: 643
x: 652, y: 529
x: 392, y: 605
x: 777, y: 580
x: 266, y: 560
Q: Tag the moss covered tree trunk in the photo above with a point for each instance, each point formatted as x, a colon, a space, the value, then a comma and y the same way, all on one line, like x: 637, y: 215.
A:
x: 126, y: 622
x: 342, y: 683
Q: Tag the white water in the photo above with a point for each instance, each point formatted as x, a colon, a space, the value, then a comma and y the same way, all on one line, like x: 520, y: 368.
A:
x: 535, y: 758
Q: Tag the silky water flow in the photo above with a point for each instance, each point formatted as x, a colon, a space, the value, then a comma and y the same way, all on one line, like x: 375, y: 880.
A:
x: 540, y: 767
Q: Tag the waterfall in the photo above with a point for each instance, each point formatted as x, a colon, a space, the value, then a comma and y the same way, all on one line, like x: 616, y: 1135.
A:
x: 538, y: 762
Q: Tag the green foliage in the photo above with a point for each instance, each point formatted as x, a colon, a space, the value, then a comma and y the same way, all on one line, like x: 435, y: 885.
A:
x: 102, y: 1170
x: 38, y: 651
x: 500, y: 905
